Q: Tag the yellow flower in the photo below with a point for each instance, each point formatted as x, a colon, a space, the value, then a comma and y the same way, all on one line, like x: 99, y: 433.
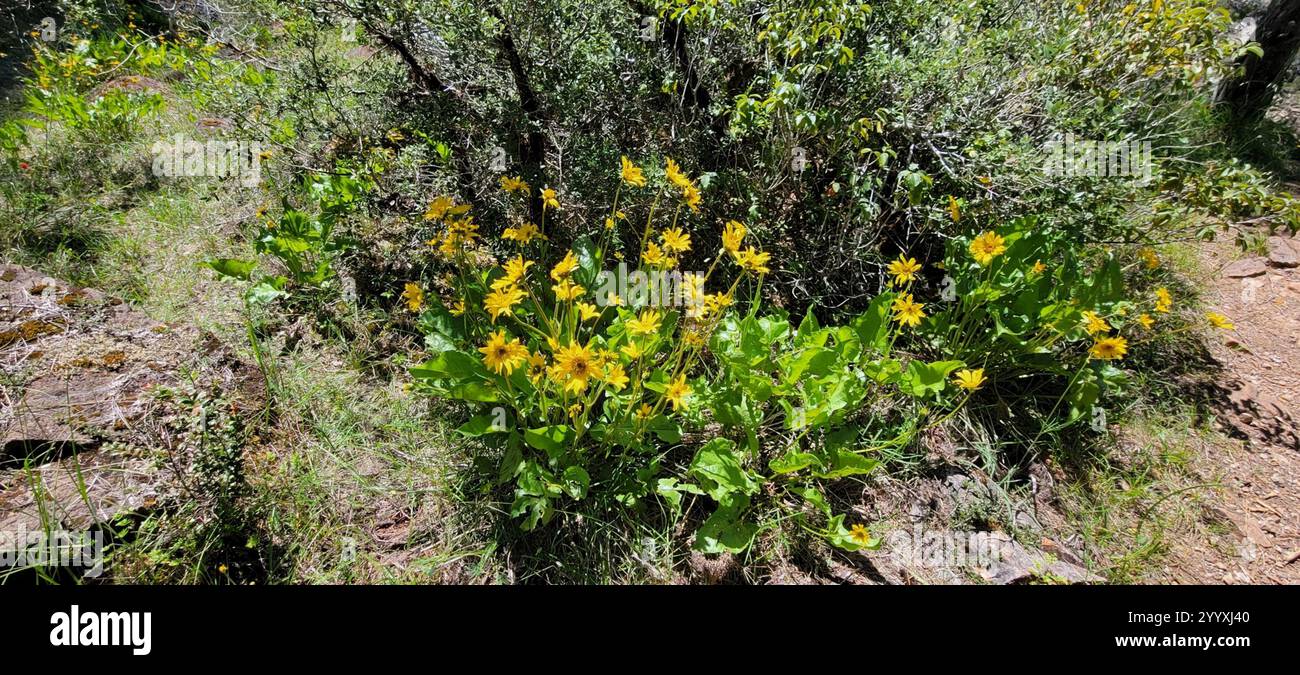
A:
x: 1146, y: 321
x: 609, y: 223
x: 523, y: 234
x: 632, y: 350
x: 632, y: 174
x: 969, y: 379
x: 588, y: 311
x: 645, y: 324
x: 644, y: 411
x: 717, y: 302
x: 908, y: 312
x: 1163, y: 300
x: 1038, y: 267
x: 675, y: 240
x: 732, y: 234
x: 1149, y: 257
x: 502, y: 301
x: 954, y: 209
x: 615, y: 377
x: 860, y: 534
x: 414, y: 297
x: 613, y: 300
x: 549, y: 200
x: 691, y: 195
x: 574, y: 366
x: 677, y: 392
x: 503, y: 356
x: 1109, y: 348
x: 565, y: 267
x: 222, y: 568
x: 904, y: 269
x: 457, y: 308
x: 439, y: 207
x: 653, y: 254
x: 516, y: 184
x: 515, y: 269
x: 1220, y: 321
x: 986, y: 247
x: 750, y: 259
x: 1095, y: 324
x: 675, y: 175
x: 567, y: 290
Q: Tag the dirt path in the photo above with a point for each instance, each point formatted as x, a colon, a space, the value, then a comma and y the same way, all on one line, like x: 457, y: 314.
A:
x: 1256, y: 399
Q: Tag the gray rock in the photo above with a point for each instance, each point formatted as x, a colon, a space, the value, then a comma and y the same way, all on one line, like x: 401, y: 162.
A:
x: 1281, y: 254
x: 1250, y: 267
x: 1017, y: 564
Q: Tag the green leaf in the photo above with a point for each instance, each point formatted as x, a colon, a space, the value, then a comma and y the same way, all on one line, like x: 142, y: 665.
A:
x: 846, y: 463
x: 717, y: 466
x: 553, y: 440
x: 724, y: 531
x: 232, y: 267
x: 576, y: 482
x: 872, y: 326
x: 791, y: 462
x: 263, y: 293
x: 480, y: 425
x: 924, y: 379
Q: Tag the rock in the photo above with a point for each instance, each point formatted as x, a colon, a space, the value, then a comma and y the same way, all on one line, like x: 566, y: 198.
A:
x: 1017, y: 564
x: 1281, y: 254
x: 80, y: 440
x: 1250, y: 267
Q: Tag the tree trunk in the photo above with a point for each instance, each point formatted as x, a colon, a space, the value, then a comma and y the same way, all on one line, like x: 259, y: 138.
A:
x: 1248, y: 95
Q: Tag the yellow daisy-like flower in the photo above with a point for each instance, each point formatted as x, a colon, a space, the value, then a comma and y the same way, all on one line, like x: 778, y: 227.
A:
x: 574, y: 366
x: 646, y: 324
x: 653, y: 254
x: 1038, y: 267
x: 751, y: 260
x: 675, y: 240
x: 567, y: 290
x: 1109, y: 348
x: 632, y: 174
x: 986, y: 247
x: 732, y: 234
x: 632, y: 350
x: 502, y: 301
x: 969, y: 379
x: 502, y: 355
x: 615, y: 377
x: 442, y: 206
x: 1149, y: 257
x: 904, y: 269
x: 860, y: 534
x: 644, y: 411
x: 587, y: 311
x: 1164, y: 301
x: 1146, y: 321
x: 691, y: 196
x: 565, y: 267
x: 1095, y: 324
x: 613, y: 300
x: 549, y: 200
x: 675, y: 175
x: 523, y: 234
x: 907, y: 312
x: 1220, y: 321
x: 515, y: 269
x: 414, y: 297
x: 516, y: 184
x: 677, y: 392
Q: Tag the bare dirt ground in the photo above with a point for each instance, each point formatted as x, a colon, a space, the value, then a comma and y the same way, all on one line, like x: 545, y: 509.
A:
x: 1256, y: 399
